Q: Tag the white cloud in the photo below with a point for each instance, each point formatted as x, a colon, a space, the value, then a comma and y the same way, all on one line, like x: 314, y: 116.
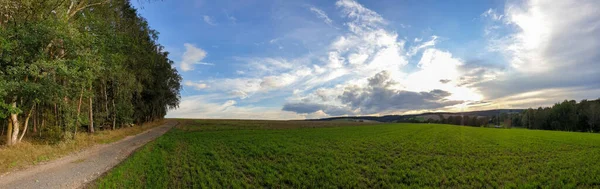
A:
x: 414, y: 50
x: 321, y: 14
x: 192, y: 55
x: 279, y: 81
x: 228, y: 104
x: 205, y: 63
x: 231, y: 18
x: 361, y: 15
x: 208, y: 20
x: 492, y: 14
x: 197, y: 86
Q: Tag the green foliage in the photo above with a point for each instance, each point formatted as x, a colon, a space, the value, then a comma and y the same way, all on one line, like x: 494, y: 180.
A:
x: 200, y: 155
x: 55, y: 55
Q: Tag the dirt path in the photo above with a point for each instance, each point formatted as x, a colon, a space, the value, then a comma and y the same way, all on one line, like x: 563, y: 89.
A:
x: 75, y: 170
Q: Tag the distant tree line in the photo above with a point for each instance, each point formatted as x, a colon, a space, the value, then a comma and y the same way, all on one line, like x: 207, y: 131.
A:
x: 566, y: 116
x: 69, y: 64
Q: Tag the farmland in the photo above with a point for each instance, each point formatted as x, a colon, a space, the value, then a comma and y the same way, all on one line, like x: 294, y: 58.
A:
x: 241, y: 154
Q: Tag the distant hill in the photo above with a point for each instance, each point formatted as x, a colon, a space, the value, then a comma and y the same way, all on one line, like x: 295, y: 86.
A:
x: 423, y: 116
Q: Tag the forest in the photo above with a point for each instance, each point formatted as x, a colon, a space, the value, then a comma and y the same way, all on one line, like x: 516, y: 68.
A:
x: 80, y: 66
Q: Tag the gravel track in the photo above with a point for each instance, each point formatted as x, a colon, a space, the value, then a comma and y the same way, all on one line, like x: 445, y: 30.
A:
x: 76, y: 170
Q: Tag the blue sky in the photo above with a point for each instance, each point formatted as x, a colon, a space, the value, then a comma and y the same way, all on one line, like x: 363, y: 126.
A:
x: 310, y: 59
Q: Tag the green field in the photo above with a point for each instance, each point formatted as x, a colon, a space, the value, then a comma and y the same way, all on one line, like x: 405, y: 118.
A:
x: 239, y: 154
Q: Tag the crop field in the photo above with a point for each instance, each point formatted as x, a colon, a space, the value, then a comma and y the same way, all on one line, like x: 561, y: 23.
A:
x: 259, y: 154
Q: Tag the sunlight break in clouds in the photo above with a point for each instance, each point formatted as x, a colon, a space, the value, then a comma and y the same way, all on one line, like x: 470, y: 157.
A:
x: 550, y: 46
x: 550, y: 34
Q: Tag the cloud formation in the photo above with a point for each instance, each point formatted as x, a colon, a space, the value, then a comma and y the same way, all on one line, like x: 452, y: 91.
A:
x: 192, y: 55
x: 424, y: 45
x: 549, y: 45
x: 322, y: 15
x: 380, y: 96
x: 539, y: 47
x: 209, y: 20
x: 197, y: 86
x: 377, y: 97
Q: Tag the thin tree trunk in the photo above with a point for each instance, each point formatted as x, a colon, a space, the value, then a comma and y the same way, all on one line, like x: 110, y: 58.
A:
x: 114, y: 117
x: 114, y: 110
x: 105, y: 101
x: 78, y: 112
x: 26, y: 122
x: 64, y: 122
x: 91, y: 126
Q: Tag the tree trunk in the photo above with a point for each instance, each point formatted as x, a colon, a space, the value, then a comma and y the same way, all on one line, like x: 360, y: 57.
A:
x: 78, y: 112
x: 91, y: 126
x: 114, y: 117
x: 15, y: 123
x: 105, y: 101
x: 26, y: 122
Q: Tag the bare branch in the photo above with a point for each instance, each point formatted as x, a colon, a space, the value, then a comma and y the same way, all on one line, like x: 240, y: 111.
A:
x: 71, y: 14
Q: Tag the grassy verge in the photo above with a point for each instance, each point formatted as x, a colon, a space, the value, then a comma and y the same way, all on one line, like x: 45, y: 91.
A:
x: 30, y: 153
x: 374, y: 156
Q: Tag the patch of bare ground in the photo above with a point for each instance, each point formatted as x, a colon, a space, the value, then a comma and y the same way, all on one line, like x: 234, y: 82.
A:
x: 76, y: 169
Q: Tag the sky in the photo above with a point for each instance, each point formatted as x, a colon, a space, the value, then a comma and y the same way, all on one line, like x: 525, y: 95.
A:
x: 307, y: 59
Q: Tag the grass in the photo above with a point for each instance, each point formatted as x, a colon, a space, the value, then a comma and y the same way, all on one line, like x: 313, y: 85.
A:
x: 227, y: 154
x: 29, y: 153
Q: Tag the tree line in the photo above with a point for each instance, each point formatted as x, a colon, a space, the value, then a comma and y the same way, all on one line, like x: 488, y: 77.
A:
x: 565, y: 116
x: 568, y: 115
x: 80, y: 64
